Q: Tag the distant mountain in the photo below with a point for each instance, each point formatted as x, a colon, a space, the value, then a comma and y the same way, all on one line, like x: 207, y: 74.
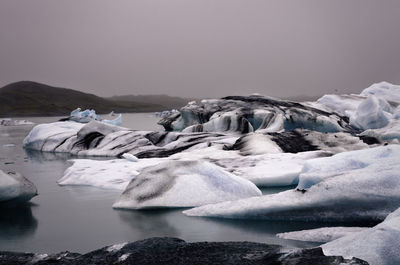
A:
x: 167, y: 101
x: 28, y: 98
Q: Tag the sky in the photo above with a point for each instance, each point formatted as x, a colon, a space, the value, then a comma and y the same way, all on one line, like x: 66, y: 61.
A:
x: 201, y: 48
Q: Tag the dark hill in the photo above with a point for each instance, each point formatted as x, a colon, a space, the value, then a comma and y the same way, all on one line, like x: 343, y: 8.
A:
x: 28, y: 98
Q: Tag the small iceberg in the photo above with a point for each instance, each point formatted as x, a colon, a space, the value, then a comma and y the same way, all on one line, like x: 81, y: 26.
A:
x: 184, y: 184
x: 87, y: 116
x: 15, y: 188
x: 11, y: 122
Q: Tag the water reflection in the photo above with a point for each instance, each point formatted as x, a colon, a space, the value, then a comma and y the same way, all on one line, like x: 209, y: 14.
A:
x: 40, y: 157
x: 17, y: 221
x: 150, y: 223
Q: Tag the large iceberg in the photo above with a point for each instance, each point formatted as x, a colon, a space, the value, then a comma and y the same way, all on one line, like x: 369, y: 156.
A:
x: 247, y: 114
x: 99, y: 139
x: 365, y: 191
x: 378, y: 245
x: 184, y: 184
x: 16, y: 188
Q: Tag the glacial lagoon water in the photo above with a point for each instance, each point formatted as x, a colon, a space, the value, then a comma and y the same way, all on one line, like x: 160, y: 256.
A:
x: 81, y: 219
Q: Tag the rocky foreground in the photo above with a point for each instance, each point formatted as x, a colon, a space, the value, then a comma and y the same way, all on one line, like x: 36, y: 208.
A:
x: 177, y: 251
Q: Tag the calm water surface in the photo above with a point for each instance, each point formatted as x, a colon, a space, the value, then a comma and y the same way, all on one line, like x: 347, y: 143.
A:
x: 81, y: 219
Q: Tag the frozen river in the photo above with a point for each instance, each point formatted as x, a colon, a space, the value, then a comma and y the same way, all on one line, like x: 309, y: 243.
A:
x: 81, y: 219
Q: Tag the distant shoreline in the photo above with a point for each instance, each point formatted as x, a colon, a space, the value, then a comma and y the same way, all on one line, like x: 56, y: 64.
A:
x: 66, y: 115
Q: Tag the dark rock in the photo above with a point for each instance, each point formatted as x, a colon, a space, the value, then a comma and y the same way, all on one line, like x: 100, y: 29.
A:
x: 176, y: 251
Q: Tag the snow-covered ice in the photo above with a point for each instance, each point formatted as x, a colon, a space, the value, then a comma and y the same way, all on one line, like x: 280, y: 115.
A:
x: 359, y: 193
x: 48, y: 136
x: 378, y: 245
x: 353, y: 164
x: 108, y: 174
x: 15, y: 187
x: 324, y: 234
x: 383, y: 90
x: 183, y: 184
x: 372, y: 113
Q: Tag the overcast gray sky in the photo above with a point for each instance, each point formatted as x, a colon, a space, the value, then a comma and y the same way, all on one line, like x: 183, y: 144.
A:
x: 201, y: 48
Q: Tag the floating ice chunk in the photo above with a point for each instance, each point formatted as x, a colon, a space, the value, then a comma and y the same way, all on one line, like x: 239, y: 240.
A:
x: 317, y: 170
x: 109, y: 174
x: 11, y: 122
x: 378, y: 245
x: 372, y: 113
x: 183, y: 184
x: 87, y: 116
x: 117, y: 121
x: 383, y: 90
x: 15, y: 187
x: 130, y: 157
x: 48, y: 135
x: 357, y: 193
x: 324, y: 234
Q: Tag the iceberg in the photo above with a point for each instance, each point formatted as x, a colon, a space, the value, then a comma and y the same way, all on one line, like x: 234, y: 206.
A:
x: 345, y: 105
x: 108, y: 174
x: 264, y: 170
x: 378, y: 245
x: 361, y: 192
x: 353, y: 164
x: 383, y: 90
x: 87, y: 116
x: 322, y: 235
x: 11, y: 122
x: 247, y: 114
x: 372, y: 113
x: 49, y: 136
x: 15, y: 188
x: 183, y: 184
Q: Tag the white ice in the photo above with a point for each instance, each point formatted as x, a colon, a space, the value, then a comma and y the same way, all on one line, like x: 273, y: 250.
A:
x: 323, y: 235
x: 48, y: 135
x: 11, y: 122
x: 183, y: 184
x: 14, y: 186
x: 353, y: 164
x: 358, y: 193
x: 378, y: 245
x: 87, y: 116
x: 383, y: 90
x: 372, y: 113
x: 108, y: 174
